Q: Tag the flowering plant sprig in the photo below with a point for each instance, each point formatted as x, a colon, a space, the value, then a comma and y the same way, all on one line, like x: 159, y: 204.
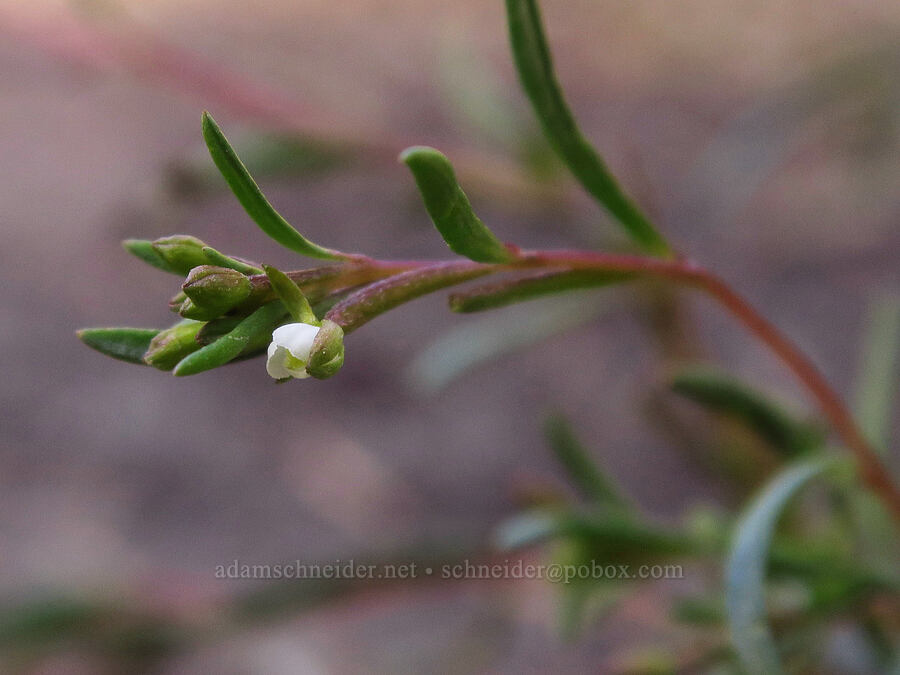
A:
x: 232, y: 309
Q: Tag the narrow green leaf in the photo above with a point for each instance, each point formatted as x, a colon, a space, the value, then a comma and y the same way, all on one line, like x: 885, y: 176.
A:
x: 721, y: 393
x: 143, y: 249
x: 449, y: 207
x: 372, y: 300
x: 613, y: 536
x: 222, y: 260
x: 291, y: 296
x: 586, y: 475
x: 879, y: 372
x: 125, y: 344
x: 746, y: 565
x: 535, y: 67
x: 467, y: 346
x: 525, y: 530
x: 250, y: 334
x: 252, y: 199
x: 508, y: 292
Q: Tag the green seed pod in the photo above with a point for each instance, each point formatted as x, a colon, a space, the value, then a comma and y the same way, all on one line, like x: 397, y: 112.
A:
x: 171, y: 345
x: 181, y: 252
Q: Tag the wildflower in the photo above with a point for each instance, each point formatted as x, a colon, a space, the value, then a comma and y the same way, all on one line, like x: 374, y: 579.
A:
x: 289, y: 351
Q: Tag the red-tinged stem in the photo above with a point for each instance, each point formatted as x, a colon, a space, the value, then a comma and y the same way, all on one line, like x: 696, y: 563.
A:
x: 433, y: 275
x: 873, y: 472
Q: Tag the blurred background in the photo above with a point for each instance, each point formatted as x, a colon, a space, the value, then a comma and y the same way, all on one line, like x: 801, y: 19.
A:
x: 764, y: 138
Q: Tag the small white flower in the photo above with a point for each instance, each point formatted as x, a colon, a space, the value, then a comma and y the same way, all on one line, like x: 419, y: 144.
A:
x: 289, y: 350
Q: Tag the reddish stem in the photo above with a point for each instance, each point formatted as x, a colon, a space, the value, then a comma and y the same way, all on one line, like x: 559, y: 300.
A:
x: 873, y: 472
x: 683, y: 271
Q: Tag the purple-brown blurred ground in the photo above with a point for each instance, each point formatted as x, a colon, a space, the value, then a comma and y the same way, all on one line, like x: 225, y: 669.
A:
x: 115, y: 477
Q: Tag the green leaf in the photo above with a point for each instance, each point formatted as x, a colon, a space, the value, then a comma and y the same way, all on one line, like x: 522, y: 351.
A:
x: 125, y: 344
x: 143, y: 249
x: 580, y: 467
x: 719, y: 392
x: 291, y: 296
x: 252, y: 199
x: 250, y: 334
x: 374, y: 299
x: 879, y: 372
x: 746, y: 565
x: 222, y: 260
x: 508, y: 292
x: 449, y: 207
x: 608, y: 536
x: 467, y: 346
x: 535, y: 67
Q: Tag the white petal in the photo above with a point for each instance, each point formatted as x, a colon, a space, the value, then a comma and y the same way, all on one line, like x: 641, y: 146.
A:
x: 297, y: 338
x: 275, y: 362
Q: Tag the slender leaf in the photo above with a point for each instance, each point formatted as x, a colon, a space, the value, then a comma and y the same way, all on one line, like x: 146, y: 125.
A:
x: 508, y: 292
x: 143, y: 249
x: 586, y: 475
x: 291, y: 295
x: 879, y: 372
x: 250, y: 334
x: 252, y: 199
x: 469, y: 345
x: 746, y: 565
x: 222, y: 260
x: 449, y: 207
x: 372, y: 300
x: 535, y: 67
x: 721, y: 393
x: 125, y: 344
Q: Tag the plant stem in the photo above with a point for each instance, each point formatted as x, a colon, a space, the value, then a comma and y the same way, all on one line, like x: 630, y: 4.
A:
x: 872, y: 471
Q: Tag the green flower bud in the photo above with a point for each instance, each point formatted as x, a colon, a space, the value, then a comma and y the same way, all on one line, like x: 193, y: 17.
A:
x: 215, y: 289
x: 189, y: 310
x: 327, y: 354
x: 181, y: 252
x: 173, y: 344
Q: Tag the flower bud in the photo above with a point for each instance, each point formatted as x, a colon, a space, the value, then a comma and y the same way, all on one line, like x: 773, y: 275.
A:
x: 327, y: 354
x: 189, y: 310
x: 173, y: 344
x: 215, y: 289
x: 181, y: 252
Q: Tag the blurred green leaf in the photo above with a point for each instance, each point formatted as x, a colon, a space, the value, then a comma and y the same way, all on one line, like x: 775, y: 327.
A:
x: 466, y: 346
x: 449, y: 207
x: 535, y: 67
x: 586, y: 475
x: 879, y: 372
x: 525, y: 530
x: 699, y: 610
x: 250, y: 334
x: 125, y: 344
x: 290, y: 295
x: 143, y: 249
x: 222, y: 260
x: 252, y: 199
x: 746, y: 565
x: 379, y: 297
x: 501, y: 293
x: 721, y: 393
x: 608, y: 537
